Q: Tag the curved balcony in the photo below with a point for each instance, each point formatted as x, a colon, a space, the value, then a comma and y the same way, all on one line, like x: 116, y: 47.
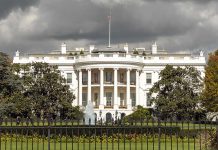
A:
x: 109, y: 58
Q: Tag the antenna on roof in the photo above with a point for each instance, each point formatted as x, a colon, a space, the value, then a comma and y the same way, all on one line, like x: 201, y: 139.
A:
x: 109, y: 30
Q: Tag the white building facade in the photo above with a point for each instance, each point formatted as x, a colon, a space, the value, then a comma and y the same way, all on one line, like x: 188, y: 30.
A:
x: 114, y: 80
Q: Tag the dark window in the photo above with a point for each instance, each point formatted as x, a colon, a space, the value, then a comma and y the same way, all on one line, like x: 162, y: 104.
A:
x: 148, y: 78
x: 85, y: 78
x: 69, y: 77
x: 133, y: 97
x: 132, y: 77
x: 108, y: 99
x: 84, y: 99
x: 108, y: 76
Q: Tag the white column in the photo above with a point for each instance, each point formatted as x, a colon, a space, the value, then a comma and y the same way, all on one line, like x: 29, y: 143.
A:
x: 80, y: 88
x: 128, y: 101
x: 89, y: 86
x: 115, y: 89
x: 101, y: 106
x: 137, y: 87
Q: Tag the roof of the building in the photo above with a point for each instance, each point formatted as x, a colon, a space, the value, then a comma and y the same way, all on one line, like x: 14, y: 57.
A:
x: 109, y: 50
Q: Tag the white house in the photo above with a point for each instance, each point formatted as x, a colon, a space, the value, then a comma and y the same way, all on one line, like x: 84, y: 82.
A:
x: 115, y: 80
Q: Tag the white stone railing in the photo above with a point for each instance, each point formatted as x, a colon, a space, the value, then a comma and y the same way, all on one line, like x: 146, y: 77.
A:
x: 46, y: 59
x: 109, y: 57
x: 174, y: 60
x: 113, y: 57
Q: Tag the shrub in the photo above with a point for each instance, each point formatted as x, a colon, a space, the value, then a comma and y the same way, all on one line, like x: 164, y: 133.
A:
x: 139, y: 114
x: 143, y: 53
x: 81, y: 52
x: 135, y: 52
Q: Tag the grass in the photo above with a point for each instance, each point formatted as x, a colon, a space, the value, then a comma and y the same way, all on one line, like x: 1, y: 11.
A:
x: 104, y: 146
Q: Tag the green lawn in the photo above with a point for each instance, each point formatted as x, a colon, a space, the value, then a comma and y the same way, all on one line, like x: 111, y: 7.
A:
x: 86, y: 146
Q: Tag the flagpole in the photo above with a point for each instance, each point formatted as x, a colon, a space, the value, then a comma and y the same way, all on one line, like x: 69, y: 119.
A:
x: 109, y: 30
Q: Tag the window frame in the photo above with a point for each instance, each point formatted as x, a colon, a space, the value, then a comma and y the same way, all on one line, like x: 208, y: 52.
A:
x: 148, y: 80
x: 69, y: 79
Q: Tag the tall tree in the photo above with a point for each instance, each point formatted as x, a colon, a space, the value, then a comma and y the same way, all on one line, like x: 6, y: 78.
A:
x: 9, y: 82
x: 210, y: 93
x: 48, y: 92
x: 10, y: 86
x: 177, y: 93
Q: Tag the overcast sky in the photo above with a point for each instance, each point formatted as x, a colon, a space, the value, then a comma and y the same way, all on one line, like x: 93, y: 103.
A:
x: 38, y: 26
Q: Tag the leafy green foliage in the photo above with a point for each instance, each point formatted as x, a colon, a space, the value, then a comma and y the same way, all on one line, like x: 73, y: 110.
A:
x: 210, y: 93
x: 47, y: 91
x: 9, y: 82
x: 34, y: 89
x: 139, y: 114
x: 143, y: 53
x: 10, y: 85
x: 135, y: 52
x: 177, y: 93
x: 81, y: 52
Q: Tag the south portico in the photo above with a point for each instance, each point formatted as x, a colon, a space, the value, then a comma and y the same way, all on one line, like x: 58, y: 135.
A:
x: 114, y: 91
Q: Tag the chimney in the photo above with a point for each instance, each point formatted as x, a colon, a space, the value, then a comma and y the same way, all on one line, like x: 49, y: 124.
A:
x: 63, y: 48
x: 126, y: 48
x: 154, y: 48
x: 91, y: 48
x: 201, y: 54
x: 16, y: 57
x: 17, y: 53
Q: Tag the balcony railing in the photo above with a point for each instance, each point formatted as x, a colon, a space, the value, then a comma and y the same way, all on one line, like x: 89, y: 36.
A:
x: 123, y: 106
x: 111, y: 57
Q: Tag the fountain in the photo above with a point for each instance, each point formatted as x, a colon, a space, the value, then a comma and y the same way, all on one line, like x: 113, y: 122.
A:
x: 89, y: 114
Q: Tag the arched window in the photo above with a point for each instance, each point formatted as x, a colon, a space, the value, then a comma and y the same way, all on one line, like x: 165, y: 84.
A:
x: 123, y: 115
x: 108, y: 117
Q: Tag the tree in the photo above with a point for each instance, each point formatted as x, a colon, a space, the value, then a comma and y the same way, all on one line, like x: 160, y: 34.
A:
x: 81, y: 52
x: 210, y: 92
x: 48, y: 92
x: 9, y: 82
x: 143, y: 53
x: 10, y: 86
x: 177, y: 93
x: 135, y: 52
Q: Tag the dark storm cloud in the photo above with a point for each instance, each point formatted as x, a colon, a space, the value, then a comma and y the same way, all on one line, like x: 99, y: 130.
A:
x: 6, y: 6
x: 130, y: 23
x: 174, y: 24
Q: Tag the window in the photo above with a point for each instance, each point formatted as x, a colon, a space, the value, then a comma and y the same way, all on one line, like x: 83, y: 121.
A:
x: 96, y: 98
x: 85, y: 78
x: 121, y: 99
x: 108, y: 77
x: 84, y: 99
x: 69, y: 77
x: 148, y: 97
x: 132, y: 78
x: 133, y: 97
x: 148, y: 78
x: 122, y: 77
x: 108, y: 99
x: 95, y: 78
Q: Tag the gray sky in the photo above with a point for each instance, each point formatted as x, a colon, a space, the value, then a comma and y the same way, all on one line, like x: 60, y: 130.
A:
x: 38, y: 26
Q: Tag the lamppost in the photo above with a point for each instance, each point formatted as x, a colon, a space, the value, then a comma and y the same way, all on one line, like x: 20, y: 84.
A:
x: 116, y: 113
x: 100, y: 113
